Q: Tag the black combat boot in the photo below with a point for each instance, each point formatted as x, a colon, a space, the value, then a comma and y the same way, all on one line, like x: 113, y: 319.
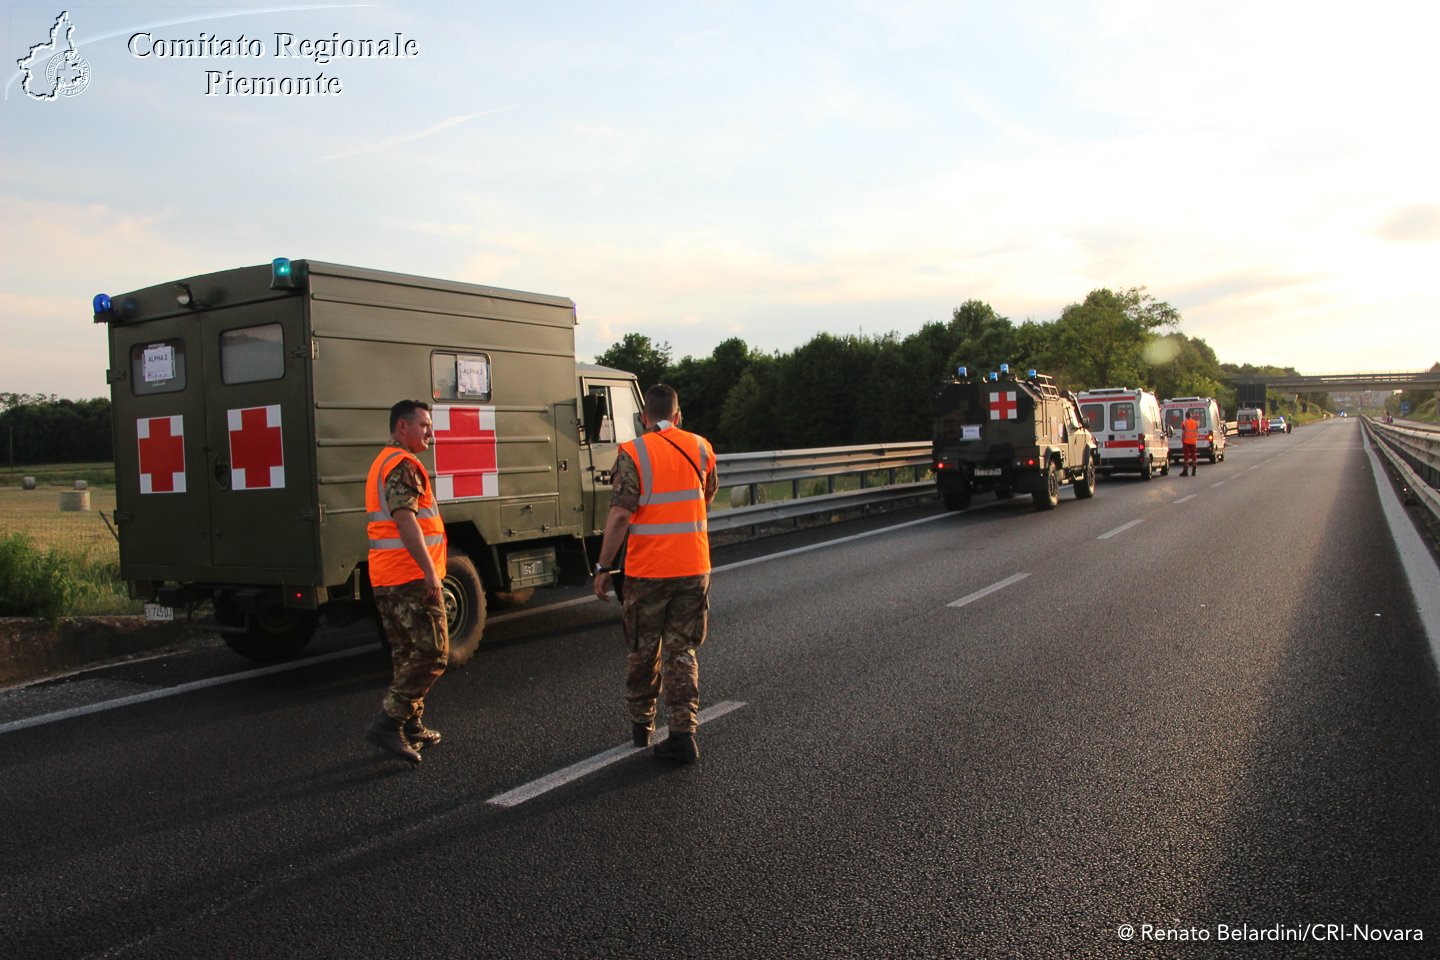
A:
x: 420, y: 735
x: 678, y: 748
x: 640, y: 734
x: 385, y: 733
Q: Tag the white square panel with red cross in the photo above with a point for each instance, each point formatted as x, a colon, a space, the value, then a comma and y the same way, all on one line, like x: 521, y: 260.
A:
x: 162, y: 454
x: 1003, y: 406
x: 466, y: 464
x: 257, y: 454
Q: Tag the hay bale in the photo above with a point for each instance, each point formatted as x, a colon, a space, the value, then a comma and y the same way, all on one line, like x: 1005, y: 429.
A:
x: 74, y: 501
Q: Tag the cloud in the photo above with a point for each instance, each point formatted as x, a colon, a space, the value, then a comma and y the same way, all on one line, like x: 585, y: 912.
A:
x: 1414, y: 224
x: 389, y: 143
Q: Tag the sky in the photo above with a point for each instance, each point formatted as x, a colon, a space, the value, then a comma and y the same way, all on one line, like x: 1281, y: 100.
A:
x: 695, y: 171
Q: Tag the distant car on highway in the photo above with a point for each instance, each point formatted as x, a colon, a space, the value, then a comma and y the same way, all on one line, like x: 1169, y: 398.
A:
x: 1278, y: 424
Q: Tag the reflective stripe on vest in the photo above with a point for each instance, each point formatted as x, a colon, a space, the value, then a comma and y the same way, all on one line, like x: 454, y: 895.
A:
x: 390, y: 562
x: 668, y: 530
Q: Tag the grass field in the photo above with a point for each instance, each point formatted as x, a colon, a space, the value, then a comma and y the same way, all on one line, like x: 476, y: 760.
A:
x: 36, y: 513
x: 87, y: 553
x: 62, y: 474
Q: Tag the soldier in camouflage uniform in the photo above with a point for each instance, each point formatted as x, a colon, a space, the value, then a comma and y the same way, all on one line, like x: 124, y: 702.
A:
x: 665, y: 616
x: 407, y: 564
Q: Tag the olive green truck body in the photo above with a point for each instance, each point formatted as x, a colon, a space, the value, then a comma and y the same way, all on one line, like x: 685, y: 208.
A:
x: 248, y: 407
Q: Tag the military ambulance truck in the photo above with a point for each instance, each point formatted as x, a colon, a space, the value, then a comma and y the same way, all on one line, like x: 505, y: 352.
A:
x: 249, y: 404
x: 1010, y: 435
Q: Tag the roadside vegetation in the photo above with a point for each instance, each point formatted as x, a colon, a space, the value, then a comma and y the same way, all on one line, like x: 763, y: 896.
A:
x: 53, y: 563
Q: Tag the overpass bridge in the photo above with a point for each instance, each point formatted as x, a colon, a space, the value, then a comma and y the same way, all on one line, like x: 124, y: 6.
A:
x: 1327, y: 382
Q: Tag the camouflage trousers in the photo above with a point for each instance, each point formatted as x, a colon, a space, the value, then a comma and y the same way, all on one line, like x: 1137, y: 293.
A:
x: 665, y: 620
x: 419, y: 648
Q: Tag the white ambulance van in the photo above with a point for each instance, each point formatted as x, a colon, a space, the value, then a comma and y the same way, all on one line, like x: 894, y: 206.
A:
x: 1126, y: 422
x: 1211, y: 418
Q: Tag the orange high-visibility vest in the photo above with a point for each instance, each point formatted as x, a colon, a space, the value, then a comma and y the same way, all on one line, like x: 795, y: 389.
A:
x: 1191, y: 432
x: 667, y: 531
x: 390, y: 563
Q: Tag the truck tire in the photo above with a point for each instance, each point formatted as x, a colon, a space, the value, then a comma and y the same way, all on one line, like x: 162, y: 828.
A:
x: 957, y: 501
x: 1048, y: 496
x: 1147, y: 470
x: 464, y: 607
x: 273, y: 634
x: 1085, y: 483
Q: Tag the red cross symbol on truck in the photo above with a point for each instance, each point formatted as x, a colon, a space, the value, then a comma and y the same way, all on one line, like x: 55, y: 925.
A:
x: 162, y: 454
x: 466, y: 464
x: 257, y: 456
x: 1003, y: 405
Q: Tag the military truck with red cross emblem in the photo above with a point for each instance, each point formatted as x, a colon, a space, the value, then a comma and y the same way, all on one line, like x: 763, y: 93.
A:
x: 1009, y: 434
x: 248, y: 406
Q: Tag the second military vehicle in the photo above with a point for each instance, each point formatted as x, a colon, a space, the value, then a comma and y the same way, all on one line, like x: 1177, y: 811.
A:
x: 1010, y: 435
x: 249, y: 404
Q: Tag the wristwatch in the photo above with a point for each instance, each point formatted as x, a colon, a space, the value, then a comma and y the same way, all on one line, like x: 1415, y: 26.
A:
x: 601, y: 568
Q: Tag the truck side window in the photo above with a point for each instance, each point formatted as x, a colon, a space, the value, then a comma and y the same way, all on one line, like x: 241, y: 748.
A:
x: 251, y: 354
x: 625, y: 411
x: 157, y: 367
x: 621, y: 412
x: 461, y: 376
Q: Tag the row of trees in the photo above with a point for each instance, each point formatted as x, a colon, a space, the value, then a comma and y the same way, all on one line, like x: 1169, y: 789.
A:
x: 850, y: 389
x: 42, y: 428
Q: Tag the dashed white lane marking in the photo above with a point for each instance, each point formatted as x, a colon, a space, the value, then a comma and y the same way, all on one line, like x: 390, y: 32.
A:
x: 1218, y: 483
x: 1191, y: 497
x: 978, y: 594
x: 533, y: 789
x: 1120, y: 529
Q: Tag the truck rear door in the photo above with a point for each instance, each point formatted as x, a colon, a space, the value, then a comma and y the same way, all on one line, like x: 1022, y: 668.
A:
x: 259, y: 461
x: 213, y: 463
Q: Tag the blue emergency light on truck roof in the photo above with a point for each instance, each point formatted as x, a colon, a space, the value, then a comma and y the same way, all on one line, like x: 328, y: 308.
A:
x: 962, y: 372
x: 282, y: 274
x: 1005, y: 368
x: 103, y: 307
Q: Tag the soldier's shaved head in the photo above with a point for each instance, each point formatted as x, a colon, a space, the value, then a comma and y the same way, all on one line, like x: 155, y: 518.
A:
x: 661, y: 403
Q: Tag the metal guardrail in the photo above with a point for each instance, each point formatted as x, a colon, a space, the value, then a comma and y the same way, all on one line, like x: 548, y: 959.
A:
x: 785, y: 484
x: 1415, y: 453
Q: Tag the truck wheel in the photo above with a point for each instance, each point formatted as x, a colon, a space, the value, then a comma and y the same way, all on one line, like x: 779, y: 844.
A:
x: 1047, y: 498
x: 1147, y: 470
x: 1213, y: 458
x: 1085, y: 483
x: 275, y: 633
x: 957, y: 501
x: 464, y: 607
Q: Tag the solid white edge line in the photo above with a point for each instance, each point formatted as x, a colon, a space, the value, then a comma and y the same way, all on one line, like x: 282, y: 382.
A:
x: 161, y: 693
x: 177, y: 690
x: 1415, y: 557
x: 985, y: 592
x: 576, y: 771
x: 1121, y: 529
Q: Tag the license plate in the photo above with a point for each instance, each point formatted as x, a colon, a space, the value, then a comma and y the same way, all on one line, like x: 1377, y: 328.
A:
x: 987, y: 471
x: 154, y: 611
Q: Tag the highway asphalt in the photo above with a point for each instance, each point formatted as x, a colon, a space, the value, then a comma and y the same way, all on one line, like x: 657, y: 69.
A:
x: 1190, y: 717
